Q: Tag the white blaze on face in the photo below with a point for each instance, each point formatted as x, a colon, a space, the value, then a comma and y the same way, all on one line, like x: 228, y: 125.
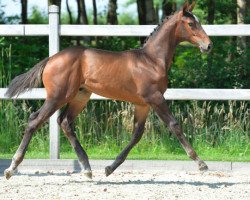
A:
x: 196, y: 19
x: 194, y: 16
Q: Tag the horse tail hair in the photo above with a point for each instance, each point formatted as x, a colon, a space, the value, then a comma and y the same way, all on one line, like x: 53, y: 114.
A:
x: 26, y: 81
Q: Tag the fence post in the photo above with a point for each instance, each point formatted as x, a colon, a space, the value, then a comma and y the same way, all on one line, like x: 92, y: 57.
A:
x: 54, y: 130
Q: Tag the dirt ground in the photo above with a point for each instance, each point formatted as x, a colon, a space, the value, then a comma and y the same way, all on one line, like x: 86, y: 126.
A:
x: 140, y: 185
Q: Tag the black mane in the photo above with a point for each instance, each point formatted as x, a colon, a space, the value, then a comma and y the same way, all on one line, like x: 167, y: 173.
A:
x: 157, y: 28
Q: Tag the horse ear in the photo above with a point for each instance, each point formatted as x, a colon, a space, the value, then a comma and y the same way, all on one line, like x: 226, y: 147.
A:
x: 185, y: 7
x: 191, y: 7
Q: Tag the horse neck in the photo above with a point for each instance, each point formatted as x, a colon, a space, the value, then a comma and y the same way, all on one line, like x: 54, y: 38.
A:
x: 162, y: 44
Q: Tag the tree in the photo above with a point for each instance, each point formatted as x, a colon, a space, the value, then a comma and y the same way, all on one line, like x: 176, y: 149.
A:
x: 112, y: 15
x: 81, y: 18
x: 82, y: 14
x: 210, y: 20
x: 247, y: 21
x: 69, y: 12
x: 24, y: 18
x: 150, y: 12
x: 211, y: 11
x: 94, y: 12
x: 168, y: 7
x: 233, y: 39
x: 146, y: 12
x: 241, y: 15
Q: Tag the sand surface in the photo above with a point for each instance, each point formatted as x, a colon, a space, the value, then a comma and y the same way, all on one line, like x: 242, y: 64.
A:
x: 140, y: 184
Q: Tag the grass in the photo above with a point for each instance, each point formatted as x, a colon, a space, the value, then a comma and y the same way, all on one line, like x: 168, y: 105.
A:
x: 100, y: 153
x: 217, y: 132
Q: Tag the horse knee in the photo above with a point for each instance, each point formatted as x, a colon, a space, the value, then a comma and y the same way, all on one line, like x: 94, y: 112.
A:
x: 191, y: 154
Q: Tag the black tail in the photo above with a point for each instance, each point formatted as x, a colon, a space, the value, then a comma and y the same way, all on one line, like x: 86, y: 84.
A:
x: 26, y: 81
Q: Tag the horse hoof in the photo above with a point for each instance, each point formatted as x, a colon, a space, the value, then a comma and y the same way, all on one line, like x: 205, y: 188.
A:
x: 88, y: 173
x: 8, y: 173
x: 108, y: 170
x: 203, y: 167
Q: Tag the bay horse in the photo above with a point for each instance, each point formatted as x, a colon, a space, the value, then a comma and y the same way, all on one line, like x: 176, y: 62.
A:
x: 139, y: 76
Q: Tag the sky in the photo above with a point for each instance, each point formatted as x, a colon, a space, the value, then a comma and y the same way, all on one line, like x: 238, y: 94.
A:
x: 13, y: 7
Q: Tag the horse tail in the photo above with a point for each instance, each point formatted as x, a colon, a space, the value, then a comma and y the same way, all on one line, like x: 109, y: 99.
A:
x: 28, y: 80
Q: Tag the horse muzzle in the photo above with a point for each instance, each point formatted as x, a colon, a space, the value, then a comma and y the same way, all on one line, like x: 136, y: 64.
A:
x: 205, y: 48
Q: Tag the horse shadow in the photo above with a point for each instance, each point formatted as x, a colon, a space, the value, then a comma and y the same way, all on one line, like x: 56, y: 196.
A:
x: 102, y: 182
x: 213, y: 185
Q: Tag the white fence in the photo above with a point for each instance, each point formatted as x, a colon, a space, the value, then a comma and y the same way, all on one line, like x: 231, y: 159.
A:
x: 54, y: 31
x: 113, y: 30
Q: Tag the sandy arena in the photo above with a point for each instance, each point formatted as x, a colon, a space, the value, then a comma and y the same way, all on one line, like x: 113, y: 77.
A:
x: 136, y: 184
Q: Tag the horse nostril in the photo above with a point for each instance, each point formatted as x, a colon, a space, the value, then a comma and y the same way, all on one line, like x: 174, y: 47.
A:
x: 209, y: 47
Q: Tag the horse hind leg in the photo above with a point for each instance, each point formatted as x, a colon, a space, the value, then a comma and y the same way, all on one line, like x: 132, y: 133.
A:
x: 34, y: 115
x: 35, y: 121
x: 65, y: 120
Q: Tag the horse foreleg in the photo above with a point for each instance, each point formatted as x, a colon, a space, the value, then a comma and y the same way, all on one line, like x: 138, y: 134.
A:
x: 35, y: 122
x: 141, y: 113
x: 159, y: 104
x: 65, y: 120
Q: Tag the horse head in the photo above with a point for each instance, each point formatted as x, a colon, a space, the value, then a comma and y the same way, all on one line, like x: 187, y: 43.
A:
x: 189, y: 29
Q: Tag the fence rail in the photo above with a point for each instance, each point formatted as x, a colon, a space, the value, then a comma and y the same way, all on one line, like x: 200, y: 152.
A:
x: 113, y: 30
x: 170, y: 94
x: 54, y: 31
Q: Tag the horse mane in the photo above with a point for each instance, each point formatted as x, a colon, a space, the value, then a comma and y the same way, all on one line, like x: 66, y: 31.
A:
x: 158, y: 27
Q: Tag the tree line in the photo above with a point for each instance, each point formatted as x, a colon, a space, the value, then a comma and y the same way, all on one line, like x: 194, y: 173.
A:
x: 226, y: 67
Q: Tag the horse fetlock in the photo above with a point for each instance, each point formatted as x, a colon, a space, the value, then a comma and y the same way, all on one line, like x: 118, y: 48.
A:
x: 120, y: 159
x: 191, y: 154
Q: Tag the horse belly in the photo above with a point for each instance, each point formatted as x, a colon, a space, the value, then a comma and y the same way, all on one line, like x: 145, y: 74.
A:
x: 115, y: 91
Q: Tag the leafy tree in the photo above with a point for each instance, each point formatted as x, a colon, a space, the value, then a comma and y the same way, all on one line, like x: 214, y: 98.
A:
x: 82, y: 14
x: 24, y: 12
x: 94, y: 12
x: 69, y: 12
x: 112, y: 15
x: 227, y: 67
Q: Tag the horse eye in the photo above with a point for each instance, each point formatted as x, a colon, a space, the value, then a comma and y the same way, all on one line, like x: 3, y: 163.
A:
x: 191, y: 24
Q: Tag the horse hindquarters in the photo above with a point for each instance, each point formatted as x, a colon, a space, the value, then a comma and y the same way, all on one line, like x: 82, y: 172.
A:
x: 61, y: 82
